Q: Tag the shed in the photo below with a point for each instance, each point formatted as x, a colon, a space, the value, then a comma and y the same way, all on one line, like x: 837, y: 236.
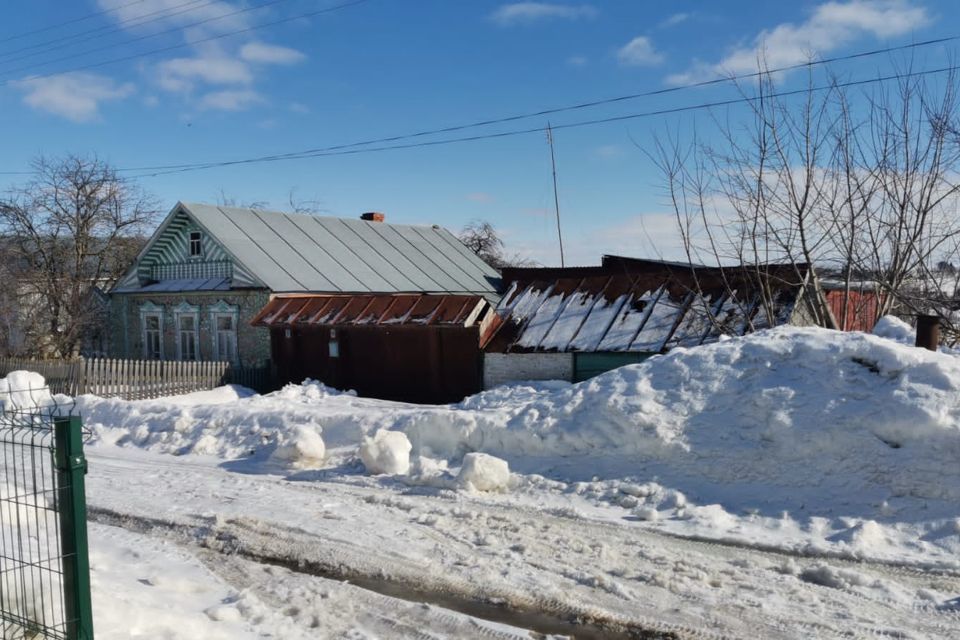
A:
x: 576, y: 322
x: 410, y: 347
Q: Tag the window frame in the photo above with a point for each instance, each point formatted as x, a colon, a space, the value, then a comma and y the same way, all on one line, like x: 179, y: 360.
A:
x: 185, y: 310
x: 151, y: 311
x: 223, y: 310
x: 195, y: 235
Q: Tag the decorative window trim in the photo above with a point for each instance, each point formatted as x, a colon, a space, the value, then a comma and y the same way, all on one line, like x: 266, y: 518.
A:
x: 221, y: 309
x: 181, y: 310
x: 149, y: 309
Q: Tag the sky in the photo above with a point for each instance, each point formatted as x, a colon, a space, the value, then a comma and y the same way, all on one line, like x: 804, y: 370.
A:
x: 148, y: 83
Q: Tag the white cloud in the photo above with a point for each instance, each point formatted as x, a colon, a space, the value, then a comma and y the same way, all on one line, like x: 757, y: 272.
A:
x: 223, y: 73
x: 211, y: 67
x: 528, y: 12
x: 299, y: 107
x: 831, y: 25
x: 674, y: 20
x: 75, y: 96
x: 647, y: 235
x: 230, y: 100
x: 270, y: 54
x: 146, y: 15
x: 577, y: 61
x: 639, y: 52
x: 480, y: 197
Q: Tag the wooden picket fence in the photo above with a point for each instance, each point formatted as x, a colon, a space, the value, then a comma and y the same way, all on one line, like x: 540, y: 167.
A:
x: 138, y: 379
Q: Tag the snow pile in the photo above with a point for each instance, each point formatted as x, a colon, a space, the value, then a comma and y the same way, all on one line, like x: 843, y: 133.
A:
x: 23, y: 390
x: 228, y: 422
x: 790, y: 418
x: 789, y: 407
x: 386, y: 452
x: 893, y: 328
x: 483, y: 472
x: 302, y: 447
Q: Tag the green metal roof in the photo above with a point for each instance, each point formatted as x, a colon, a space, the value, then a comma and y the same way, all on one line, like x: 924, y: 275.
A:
x: 293, y: 253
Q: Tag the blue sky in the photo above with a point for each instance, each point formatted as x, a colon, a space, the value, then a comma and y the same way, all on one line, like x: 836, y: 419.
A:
x: 388, y: 67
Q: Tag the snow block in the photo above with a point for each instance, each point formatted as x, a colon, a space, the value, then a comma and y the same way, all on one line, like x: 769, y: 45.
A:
x: 386, y: 452
x: 302, y: 447
x: 484, y: 472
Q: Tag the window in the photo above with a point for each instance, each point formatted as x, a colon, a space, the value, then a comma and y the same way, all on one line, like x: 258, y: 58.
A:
x: 224, y: 320
x: 152, y: 332
x: 196, y: 244
x: 226, y: 337
x: 187, y: 328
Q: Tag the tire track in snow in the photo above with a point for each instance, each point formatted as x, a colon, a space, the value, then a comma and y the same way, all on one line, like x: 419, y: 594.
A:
x: 385, y: 616
x: 326, y: 558
x: 574, y: 535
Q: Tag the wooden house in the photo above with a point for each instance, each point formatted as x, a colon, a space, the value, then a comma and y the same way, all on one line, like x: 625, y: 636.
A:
x: 210, y: 280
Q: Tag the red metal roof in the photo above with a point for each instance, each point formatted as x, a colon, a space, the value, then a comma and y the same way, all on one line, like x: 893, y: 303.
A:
x: 373, y: 309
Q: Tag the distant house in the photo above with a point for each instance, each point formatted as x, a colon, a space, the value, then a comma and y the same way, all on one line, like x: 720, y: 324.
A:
x: 574, y: 323
x: 219, y: 283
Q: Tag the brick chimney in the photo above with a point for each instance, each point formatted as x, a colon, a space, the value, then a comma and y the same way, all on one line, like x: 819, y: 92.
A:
x: 373, y: 216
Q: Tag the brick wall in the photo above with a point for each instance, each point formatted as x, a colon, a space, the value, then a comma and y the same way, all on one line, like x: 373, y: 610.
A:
x: 500, y: 368
x: 126, y: 335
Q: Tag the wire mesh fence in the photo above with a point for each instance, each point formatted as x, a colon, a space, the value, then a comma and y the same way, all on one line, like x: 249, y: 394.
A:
x: 44, y: 568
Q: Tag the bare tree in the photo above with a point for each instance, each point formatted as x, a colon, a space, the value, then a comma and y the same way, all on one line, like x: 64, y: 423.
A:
x: 225, y: 200
x: 312, y: 206
x: 482, y: 238
x: 71, y: 231
x: 864, y: 190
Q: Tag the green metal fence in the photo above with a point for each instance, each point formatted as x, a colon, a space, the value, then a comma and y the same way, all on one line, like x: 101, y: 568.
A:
x: 44, y: 565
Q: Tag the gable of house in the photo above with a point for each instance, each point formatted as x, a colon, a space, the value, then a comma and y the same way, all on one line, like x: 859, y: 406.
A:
x: 168, y: 262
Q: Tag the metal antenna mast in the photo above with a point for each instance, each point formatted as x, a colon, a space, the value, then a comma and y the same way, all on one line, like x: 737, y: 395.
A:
x: 556, y: 197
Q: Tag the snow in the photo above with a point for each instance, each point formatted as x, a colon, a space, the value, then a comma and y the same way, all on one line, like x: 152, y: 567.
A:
x: 483, y: 472
x: 302, y: 447
x: 386, y: 452
x: 817, y: 459
x: 594, y: 328
x: 893, y: 328
x: 629, y: 318
x: 23, y: 390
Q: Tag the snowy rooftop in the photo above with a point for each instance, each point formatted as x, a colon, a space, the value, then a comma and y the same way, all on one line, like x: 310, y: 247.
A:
x: 636, y: 305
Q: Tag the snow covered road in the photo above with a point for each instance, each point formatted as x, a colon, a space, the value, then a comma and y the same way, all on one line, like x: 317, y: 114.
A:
x: 456, y: 548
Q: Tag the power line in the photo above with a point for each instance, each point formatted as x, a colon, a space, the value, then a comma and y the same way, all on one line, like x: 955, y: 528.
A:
x: 65, y: 41
x: 577, y: 106
x: 341, y: 151
x: 264, y: 25
x: 146, y: 37
x: 645, y: 94
x: 69, y: 22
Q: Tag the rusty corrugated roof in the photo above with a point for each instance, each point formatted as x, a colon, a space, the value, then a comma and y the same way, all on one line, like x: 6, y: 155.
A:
x: 636, y: 305
x: 368, y: 310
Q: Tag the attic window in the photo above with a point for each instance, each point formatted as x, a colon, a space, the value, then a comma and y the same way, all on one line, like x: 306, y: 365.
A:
x: 196, y: 246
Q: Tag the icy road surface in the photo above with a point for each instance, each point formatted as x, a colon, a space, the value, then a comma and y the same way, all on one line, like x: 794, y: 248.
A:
x: 451, y: 547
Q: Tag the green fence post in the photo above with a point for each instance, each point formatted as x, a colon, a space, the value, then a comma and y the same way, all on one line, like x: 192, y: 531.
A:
x: 71, y: 467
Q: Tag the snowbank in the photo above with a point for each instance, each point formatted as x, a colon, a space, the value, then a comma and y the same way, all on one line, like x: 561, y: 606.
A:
x: 791, y: 418
x: 228, y: 422
x: 386, y: 452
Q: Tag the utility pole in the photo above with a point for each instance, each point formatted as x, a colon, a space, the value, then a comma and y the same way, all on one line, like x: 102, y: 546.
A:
x: 556, y: 197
